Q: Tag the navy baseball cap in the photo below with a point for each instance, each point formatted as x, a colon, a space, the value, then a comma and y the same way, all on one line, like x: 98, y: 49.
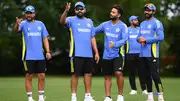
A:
x: 30, y: 9
x: 133, y: 17
x: 79, y: 4
x: 150, y: 6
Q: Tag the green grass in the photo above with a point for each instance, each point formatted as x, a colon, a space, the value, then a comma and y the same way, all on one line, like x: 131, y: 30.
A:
x: 58, y: 89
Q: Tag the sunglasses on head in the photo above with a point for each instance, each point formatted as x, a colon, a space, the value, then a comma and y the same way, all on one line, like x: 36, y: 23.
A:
x: 79, y: 8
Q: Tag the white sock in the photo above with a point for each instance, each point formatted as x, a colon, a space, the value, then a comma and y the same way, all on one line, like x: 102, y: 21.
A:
x: 150, y: 95
x: 160, y: 94
x: 87, y: 94
x: 41, y: 95
x: 29, y: 94
x: 120, y: 95
x: 73, y: 94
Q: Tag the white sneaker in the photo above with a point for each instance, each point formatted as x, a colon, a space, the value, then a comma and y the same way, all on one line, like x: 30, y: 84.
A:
x: 88, y: 98
x: 133, y: 92
x: 31, y: 100
x: 120, y: 98
x: 160, y: 98
x: 73, y: 98
x: 144, y: 92
x: 107, y: 99
x: 42, y: 99
x: 150, y: 99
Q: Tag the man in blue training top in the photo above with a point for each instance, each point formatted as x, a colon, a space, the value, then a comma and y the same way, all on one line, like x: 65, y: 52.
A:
x: 34, y: 35
x: 132, y: 56
x: 115, y: 36
x: 82, y: 41
x: 150, y: 36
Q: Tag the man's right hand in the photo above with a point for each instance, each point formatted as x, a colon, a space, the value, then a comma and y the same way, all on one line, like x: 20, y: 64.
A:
x: 68, y: 6
x: 18, y: 21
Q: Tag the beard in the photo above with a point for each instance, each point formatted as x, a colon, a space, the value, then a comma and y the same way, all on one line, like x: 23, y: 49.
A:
x: 135, y: 24
x: 80, y: 15
x: 113, y: 18
x: 148, y: 16
x: 29, y: 18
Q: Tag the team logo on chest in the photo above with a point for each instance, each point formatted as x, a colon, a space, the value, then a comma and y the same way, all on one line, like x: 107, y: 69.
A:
x: 39, y: 28
x: 117, y: 29
x: 89, y: 25
x: 149, y: 26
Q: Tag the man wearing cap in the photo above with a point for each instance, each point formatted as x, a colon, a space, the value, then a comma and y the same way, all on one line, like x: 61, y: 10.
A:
x: 34, y: 35
x: 115, y: 36
x: 150, y: 36
x: 81, y: 44
x: 132, y: 56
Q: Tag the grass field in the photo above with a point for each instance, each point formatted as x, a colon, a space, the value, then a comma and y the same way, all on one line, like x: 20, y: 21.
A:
x: 57, y: 89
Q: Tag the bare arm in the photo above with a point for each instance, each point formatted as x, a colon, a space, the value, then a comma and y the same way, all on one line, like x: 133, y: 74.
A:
x: 46, y: 44
x: 17, y: 25
x: 64, y: 15
x: 94, y: 46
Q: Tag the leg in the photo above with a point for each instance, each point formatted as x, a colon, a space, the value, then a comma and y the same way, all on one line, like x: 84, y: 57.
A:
x: 140, y: 75
x: 156, y: 78
x: 40, y: 70
x: 87, y: 82
x: 28, y: 66
x: 120, y: 82
x: 28, y: 82
x: 74, y: 83
x: 107, y: 85
x: 76, y: 70
x: 145, y: 76
x: 107, y: 71
x: 87, y: 70
x: 118, y: 68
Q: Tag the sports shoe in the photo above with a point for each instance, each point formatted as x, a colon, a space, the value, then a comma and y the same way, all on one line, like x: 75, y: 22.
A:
x: 42, y: 99
x: 88, y: 98
x: 160, y: 97
x: 31, y: 100
x: 150, y: 99
x: 120, y: 98
x: 107, y: 99
x: 144, y: 92
x: 73, y: 98
x: 133, y: 92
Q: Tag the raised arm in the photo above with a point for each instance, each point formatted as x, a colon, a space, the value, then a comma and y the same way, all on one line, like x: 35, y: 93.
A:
x: 64, y: 15
x: 17, y: 25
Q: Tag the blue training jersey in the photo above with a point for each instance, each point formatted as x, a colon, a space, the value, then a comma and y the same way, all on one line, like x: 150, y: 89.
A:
x: 116, y: 33
x: 81, y: 32
x: 32, y: 36
x: 132, y: 46
x: 153, y: 31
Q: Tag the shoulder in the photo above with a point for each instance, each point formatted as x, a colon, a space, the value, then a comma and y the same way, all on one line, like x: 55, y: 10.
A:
x: 142, y: 23
x: 157, y: 23
x: 122, y: 24
x: 71, y: 17
x: 89, y: 20
x: 23, y: 22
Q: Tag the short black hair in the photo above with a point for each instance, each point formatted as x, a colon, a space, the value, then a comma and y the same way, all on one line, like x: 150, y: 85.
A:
x: 119, y: 8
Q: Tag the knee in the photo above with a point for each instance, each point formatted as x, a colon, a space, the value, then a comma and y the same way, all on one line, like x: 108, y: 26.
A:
x: 75, y: 75
x: 118, y: 74
x: 41, y: 76
x: 29, y: 76
x: 108, y: 78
